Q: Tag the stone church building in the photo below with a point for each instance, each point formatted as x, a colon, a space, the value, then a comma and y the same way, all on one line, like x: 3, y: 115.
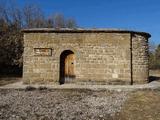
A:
x: 85, y: 56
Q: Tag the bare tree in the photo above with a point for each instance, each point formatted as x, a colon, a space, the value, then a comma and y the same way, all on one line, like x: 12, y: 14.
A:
x: 59, y: 21
x: 16, y: 18
x: 11, y: 42
x: 71, y: 23
x: 152, y: 46
x: 33, y: 17
x: 50, y: 22
x: 4, y: 18
x: 13, y: 19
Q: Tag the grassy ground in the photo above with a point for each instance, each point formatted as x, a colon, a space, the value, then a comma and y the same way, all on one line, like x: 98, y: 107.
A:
x: 141, y: 105
x: 155, y: 72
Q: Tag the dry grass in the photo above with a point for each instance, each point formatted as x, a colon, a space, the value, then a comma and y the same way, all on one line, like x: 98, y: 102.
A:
x: 141, y: 105
x: 155, y: 72
x: 8, y: 80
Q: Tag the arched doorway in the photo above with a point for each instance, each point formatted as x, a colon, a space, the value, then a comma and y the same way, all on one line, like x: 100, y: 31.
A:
x: 67, y: 63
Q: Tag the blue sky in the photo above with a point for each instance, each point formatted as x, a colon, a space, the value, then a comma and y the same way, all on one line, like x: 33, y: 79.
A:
x: 140, y: 15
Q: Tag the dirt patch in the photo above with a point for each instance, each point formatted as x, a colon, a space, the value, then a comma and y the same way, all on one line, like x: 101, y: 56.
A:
x: 141, y: 105
x: 9, y: 80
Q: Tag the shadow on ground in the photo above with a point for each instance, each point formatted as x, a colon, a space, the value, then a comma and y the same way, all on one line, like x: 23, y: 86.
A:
x: 154, y: 78
x: 10, y: 74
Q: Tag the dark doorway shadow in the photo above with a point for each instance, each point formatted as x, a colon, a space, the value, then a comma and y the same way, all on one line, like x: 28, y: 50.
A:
x: 154, y: 78
x: 63, y: 61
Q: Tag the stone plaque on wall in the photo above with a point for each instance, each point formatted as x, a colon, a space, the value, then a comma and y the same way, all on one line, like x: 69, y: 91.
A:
x: 43, y: 51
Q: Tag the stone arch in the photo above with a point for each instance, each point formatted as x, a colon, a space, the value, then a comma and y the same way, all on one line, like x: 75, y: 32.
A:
x: 66, y: 66
x: 63, y: 48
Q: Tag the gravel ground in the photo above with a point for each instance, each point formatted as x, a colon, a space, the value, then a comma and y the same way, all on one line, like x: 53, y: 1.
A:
x: 60, y: 104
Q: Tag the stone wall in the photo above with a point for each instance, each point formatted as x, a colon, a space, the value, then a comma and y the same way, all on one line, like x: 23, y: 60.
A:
x: 140, y: 59
x: 103, y: 58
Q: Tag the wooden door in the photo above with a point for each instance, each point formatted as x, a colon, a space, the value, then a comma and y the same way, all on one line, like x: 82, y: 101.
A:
x: 69, y: 66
